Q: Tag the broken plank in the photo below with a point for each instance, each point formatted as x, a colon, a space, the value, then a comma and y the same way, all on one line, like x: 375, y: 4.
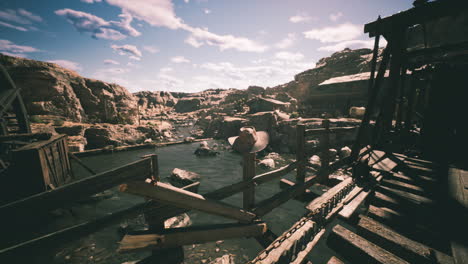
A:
x: 357, y: 249
x: 171, y: 195
x: 175, y: 237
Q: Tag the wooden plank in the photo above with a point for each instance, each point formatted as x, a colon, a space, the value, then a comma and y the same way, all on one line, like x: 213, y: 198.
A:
x: 71, y: 192
x: 267, y: 205
x: 174, y: 237
x: 349, y: 209
x: 248, y: 172
x: 302, y: 255
x: 323, y: 173
x: 334, y: 260
x: 406, y: 196
x: 410, y: 188
x: 401, y: 246
x: 357, y: 249
x: 300, y: 153
x: 41, y: 144
x: 168, y: 194
x: 75, y: 158
x: 26, y: 136
x: 317, y: 203
x: 321, y: 131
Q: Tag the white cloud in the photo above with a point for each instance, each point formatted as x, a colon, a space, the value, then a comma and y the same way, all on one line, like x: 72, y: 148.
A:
x: 338, y: 33
x: 179, y: 59
x: 134, y: 58
x: 299, y: 18
x: 130, y: 50
x: 286, y: 42
x: 91, y: 1
x: 353, y: 44
x: 71, y: 65
x: 164, y: 81
x: 335, y: 16
x: 166, y: 70
x: 20, y: 16
x: 111, y: 62
x: 186, y: 1
x: 151, y: 49
x: 98, y: 27
x: 8, y: 47
x: 289, y: 56
x: 161, y: 13
x: 207, y: 11
x: 8, y: 25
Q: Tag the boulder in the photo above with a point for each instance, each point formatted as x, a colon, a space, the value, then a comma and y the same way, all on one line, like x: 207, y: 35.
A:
x: 275, y: 156
x: 345, y: 152
x: 189, y: 139
x: 267, y: 164
x: 75, y: 130
x: 230, y: 126
x: 315, y: 162
x: 182, y: 220
x: 263, y: 121
x: 181, y: 178
x: 256, y: 90
x: 99, y: 137
x: 226, y: 259
x: 185, y: 105
x: 204, y: 150
x: 357, y: 112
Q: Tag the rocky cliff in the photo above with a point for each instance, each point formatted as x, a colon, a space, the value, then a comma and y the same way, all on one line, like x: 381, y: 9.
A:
x: 49, y: 89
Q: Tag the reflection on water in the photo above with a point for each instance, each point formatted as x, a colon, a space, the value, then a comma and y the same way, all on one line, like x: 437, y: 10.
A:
x: 215, y: 172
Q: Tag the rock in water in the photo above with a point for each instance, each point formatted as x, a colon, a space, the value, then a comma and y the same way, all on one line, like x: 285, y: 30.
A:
x: 267, y: 164
x: 226, y: 259
x: 345, y: 152
x: 181, y: 178
x: 204, y: 150
x: 182, y: 220
x: 315, y: 161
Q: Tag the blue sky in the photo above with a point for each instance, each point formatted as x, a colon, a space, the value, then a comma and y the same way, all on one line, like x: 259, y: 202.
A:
x: 187, y: 45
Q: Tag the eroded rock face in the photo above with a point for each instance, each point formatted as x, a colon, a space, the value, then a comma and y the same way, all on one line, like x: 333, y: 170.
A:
x: 49, y: 89
x: 153, y: 104
x: 225, y: 259
x: 185, y: 105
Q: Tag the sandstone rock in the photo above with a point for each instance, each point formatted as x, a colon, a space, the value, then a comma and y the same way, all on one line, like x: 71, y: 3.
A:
x: 185, y: 105
x: 263, y: 121
x: 275, y: 156
x: 182, y: 220
x: 315, y: 162
x: 226, y: 259
x: 189, y: 139
x: 230, y: 126
x: 256, y: 90
x: 99, y: 137
x: 204, y: 150
x: 267, y: 164
x: 180, y: 178
x: 345, y: 152
x: 75, y: 130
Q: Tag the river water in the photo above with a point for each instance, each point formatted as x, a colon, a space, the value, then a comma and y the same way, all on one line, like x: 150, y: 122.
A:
x: 215, y: 172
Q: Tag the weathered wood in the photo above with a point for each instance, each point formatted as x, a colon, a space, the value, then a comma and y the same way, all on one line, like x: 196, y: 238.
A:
x: 357, y: 249
x: 307, y: 196
x: 350, y: 209
x: 232, y: 189
x: 26, y: 136
x: 334, y: 260
x: 248, y: 172
x: 302, y: 255
x: 388, y: 239
x: 267, y: 205
x: 322, y: 175
x: 267, y: 238
x: 168, y: 194
x: 77, y: 190
x: 321, y: 131
x: 300, y: 153
x: 317, y: 203
x: 155, y: 167
x: 406, y: 187
x: 406, y: 196
x: 174, y: 237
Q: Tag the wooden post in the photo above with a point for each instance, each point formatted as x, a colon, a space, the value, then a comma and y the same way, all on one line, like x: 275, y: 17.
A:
x: 247, y: 174
x: 300, y: 153
x: 325, y: 157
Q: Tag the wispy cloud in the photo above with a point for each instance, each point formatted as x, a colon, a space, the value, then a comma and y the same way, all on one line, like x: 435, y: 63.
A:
x: 91, y: 1
x: 20, y: 16
x: 10, y: 48
x: 98, y: 27
x: 180, y: 59
x: 161, y: 13
x: 8, y: 25
x: 132, y: 51
x: 289, y: 56
x: 207, y: 11
x: 71, y: 65
x: 111, y: 62
x: 342, y: 32
x: 335, y: 16
x: 151, y: 49
x: 286, y: 42
x: 301, y: 18
x: 352, y: 44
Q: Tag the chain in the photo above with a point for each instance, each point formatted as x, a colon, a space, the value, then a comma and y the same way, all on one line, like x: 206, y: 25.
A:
x: 317, y: 216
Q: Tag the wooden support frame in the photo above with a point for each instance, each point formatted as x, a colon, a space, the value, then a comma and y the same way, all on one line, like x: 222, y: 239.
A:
x: 71, y: 192
x: 300, y: 153
x: 169, y: 194
x: 248, y: 173
x: 325, y: 156
x: 175, y: 237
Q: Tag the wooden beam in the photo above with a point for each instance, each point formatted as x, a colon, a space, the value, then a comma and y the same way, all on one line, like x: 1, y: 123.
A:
x: 171, y: 195
x: 427, y: 12
x: 77, y: 190
x: 175, y: 237
x: 300, y: 153
x: 350, y: 209
x: 317, y: 203
x: 321, y: 131
x: 75, y: 158
x: 357, y: 249
x: 248, y: 172
x: 278, y: 199
x: 334, y: 260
